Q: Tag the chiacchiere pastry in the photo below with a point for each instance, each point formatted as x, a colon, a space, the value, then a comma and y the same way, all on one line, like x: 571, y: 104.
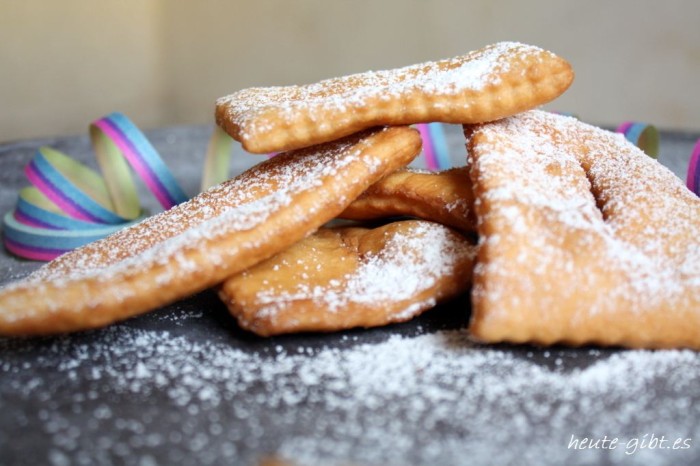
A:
x: 444, y: 197
x: 582, y: 238
x: 494, y: 82
x: 199, y: 243
x: 340, y: 278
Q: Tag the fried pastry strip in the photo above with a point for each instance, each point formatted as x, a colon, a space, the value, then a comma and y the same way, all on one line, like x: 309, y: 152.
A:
x: 494, y: 82
x: 199, y: 243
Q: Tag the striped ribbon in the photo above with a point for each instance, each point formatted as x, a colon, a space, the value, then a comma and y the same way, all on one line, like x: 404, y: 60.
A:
x: 435, y: 149
x: 642, y: 135
x: 69, y: 204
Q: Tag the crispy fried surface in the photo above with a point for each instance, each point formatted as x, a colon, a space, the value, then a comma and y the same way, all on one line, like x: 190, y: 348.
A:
x: 496, y: 81
x: 199, y: 243
x: 583, y: 238
x: 445, y: 197
x: 340, y: 278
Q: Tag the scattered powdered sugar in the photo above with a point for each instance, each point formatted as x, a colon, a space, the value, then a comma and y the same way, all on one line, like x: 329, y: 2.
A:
x: 410, y: 262
x: 151, y: 397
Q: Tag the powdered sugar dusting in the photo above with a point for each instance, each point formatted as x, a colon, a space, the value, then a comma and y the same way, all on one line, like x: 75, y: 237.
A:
x: 423, y: 400
x: 409, y: 263
x: 240, y: 204
x: 162, y: 243
x: 258, y: 112
x: 450, y: 76
x: 581, y: 203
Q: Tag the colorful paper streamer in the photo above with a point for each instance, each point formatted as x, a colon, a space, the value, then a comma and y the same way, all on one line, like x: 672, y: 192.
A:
x: 69, y: 204
x: 435, y: 149
x: 693, y: 176
x: 642, y: 135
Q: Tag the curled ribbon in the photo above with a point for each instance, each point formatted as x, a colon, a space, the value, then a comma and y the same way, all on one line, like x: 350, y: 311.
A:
x: 69, y: 204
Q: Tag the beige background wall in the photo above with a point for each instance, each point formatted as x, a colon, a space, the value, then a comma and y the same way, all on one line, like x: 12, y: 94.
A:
x: 65, y: 63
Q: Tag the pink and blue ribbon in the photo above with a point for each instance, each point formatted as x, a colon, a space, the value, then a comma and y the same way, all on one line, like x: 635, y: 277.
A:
x: 435, y: 149
x: 143, y: 158
x: 69, y: 204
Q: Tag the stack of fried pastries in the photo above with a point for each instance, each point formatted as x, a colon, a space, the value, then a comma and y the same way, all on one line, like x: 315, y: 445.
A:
x: 561, y: 232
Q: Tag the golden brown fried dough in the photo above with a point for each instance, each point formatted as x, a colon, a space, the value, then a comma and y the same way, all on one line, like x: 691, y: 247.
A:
x: 496, y: 81
x: 583, y: 238
x: 444, y: 197
x: 201, y: 242
x: 341, y: 278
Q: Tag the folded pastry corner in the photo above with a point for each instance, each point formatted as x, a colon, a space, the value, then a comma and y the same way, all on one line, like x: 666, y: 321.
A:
x: 583, y: 239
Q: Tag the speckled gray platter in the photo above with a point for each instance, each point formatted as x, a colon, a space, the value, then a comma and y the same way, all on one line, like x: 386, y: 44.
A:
x: 184, y: 385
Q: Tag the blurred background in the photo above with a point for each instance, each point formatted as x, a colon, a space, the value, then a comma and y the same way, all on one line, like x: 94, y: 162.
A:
x: 65, y: 63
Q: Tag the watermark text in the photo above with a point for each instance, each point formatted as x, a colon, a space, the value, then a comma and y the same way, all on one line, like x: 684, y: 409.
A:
x: 630, y: 445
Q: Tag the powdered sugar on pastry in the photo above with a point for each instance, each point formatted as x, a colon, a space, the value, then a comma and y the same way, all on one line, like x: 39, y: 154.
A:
x: 493, y: 82
x: 583, y: 238
x: 199, y: 243
x: 352, y: 277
